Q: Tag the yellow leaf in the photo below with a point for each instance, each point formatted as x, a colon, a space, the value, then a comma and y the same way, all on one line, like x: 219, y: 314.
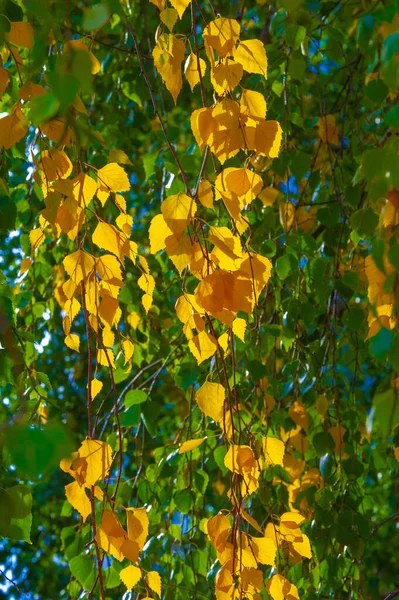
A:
x: 158, y: 232
x: 251, y: 520
x: 12, y: 128
x: 190, y: 445
x: 225, y: 76
x: 299, y: 415
x: 224, y: 341
x: 130, y: 576
x: 338, y: 432
x: 168, y: 56
x: 268, y: 196
x: 303, y: 547
x: 98, y: 457
x: 265, y: 550
x: 217, y: 529
x: 251, y: 55
x: 137, y: 525
x: 109, y: 311
x: 96, y: 386
x: 291, y: 520
x: 205, y: 193
x: 239, y: 326
x: 107, y: 237
x: 239, y: 459
x: 113, y: 177
x: 322, y: 404
x: 4, y: 79
x: 178, y: 210
x: 219, y: 127
x: 77, y: 497
x: 159, y: 3
x: 147, y: 301
x: 221, y: 35
x: 42, y: 411
x: 128, y: 350
x: 237, y: 188
x: 328, y: 131
x: 55, y: 164
x: 210, y: 398
x: 154, y: 582
x: 75, y: 46
x: 203, y: 346
x: 119, y: 156
x: 79, y: 265
x: 192, y: 68
x: 287, y: 215
x: 264, y: 137
x: 273, y: 450
x: 21, y: 34
x: 57, y: 131
x: 223, y: 294
x: 30, y: 90
x: 252, y: 104
x: 108, y: 337
x: 133, y: 319
x: 109, y: 269
x: 280, y: 588
x: 84, y: 188
x: 169, y: 17
x: 25, y: 265
x: 125, y: 223
x: 180, y: 6
x: 180, y: 250
x: 146, y: 283
x: 72, y: 341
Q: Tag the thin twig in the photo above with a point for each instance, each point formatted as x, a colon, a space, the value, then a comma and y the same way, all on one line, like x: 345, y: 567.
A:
x: 391, y: 518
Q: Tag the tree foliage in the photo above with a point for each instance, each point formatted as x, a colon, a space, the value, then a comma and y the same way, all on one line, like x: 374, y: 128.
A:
x: 199, y: 358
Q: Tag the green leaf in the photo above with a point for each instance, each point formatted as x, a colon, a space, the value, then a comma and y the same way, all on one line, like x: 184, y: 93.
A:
x: 392, y: 117
x: 82, y: 568
x: 300, y: 164
x: 135, y: 397
x: 376, y: 90
x: 295, y: 34
x: 8, y: 213
x: 364, y: 221
x: 95, y: 16
x: 323, y: 443
x: 386, y: 412
x: 184, y: 500
x: 381, y: 343
x: 16, y: 513
x: 285, y: 265
x: 36, y: 451
x: 43, y: 108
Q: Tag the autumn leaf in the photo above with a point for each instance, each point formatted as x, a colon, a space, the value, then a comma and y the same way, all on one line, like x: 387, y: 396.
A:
x: 168, y: 57
x: 190, y: 445
x: 252, y: 56
x: 154, y: 582
x: 193, y: 66
x: 130, y: 576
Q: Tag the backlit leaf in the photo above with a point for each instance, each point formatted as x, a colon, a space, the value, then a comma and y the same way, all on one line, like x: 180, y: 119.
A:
x: 190, y: 445
x: 130, y: 576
